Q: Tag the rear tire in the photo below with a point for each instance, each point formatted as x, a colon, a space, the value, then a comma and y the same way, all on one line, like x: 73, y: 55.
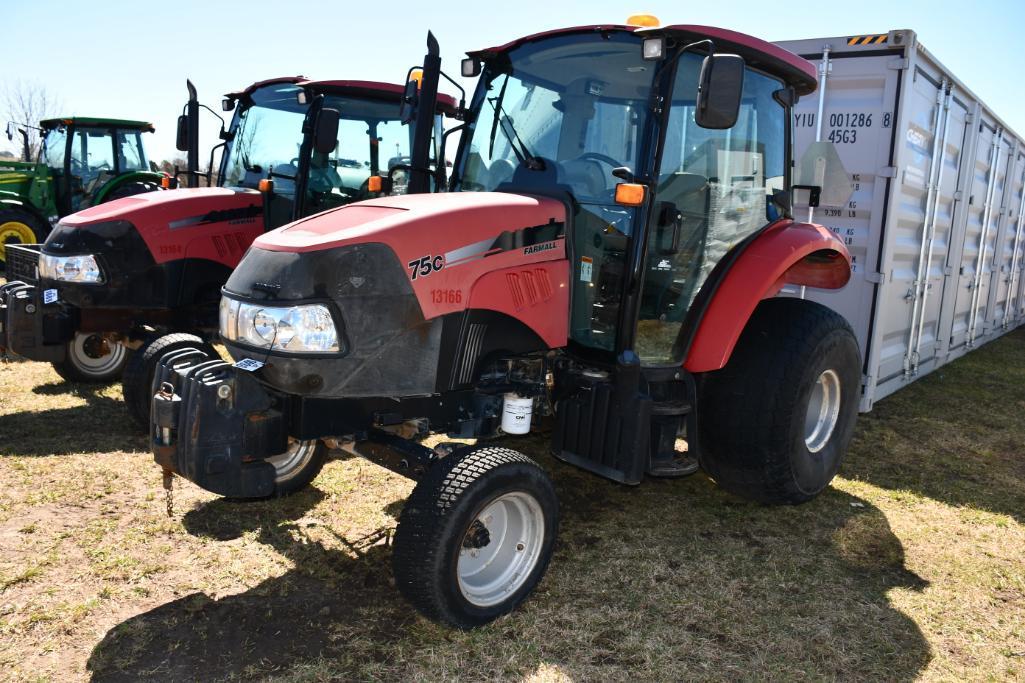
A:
x: 475, y: 536
x: 142, y: 364
x: 777, y: 420
x: 90, y: 358
x: 18, y: 226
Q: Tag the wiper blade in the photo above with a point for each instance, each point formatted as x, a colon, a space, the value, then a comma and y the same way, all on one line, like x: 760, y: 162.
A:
x: 523, y: 154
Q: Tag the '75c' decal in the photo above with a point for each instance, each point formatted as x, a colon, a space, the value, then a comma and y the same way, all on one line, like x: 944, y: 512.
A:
x: 425, y: 265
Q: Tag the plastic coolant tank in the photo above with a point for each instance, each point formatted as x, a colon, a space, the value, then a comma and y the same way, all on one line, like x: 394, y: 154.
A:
x: 516, y: 412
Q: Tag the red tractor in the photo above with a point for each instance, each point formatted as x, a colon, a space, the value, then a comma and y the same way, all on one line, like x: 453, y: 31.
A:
x: 619, y: 222
x: 116, y: 285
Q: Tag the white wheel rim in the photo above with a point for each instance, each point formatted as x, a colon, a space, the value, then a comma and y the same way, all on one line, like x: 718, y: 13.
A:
x: 291, y: 462
x: 90, y: 363
x: 493, y: 572
x: 823, y: 411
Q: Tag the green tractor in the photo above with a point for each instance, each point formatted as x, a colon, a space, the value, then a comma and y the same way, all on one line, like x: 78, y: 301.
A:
x: 81, y: 162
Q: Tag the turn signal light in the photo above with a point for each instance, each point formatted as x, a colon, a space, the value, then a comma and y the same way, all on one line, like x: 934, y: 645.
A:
x: 165, y: 183
x: 374, y: 183
x: 418, y: 76
x: 629, y: 194
x: 646, y: 20
x: 265, y: 185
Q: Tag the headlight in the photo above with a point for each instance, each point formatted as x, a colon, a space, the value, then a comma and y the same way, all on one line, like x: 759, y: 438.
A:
x: 81, y: 268
x: 308, y: 328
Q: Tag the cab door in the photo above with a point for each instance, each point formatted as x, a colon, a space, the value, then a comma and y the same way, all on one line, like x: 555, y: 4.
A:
x: 714, y: 189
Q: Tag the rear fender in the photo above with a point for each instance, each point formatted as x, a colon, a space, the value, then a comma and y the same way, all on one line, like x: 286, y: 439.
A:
x: 788, y: 253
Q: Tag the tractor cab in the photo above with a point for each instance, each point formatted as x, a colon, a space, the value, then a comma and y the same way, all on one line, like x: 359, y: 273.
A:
x: 672, y: 146
x: 310, y: 146
x: 86, y: 156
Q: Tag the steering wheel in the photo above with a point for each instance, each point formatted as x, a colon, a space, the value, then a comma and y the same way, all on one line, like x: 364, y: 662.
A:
x: 598, y: 156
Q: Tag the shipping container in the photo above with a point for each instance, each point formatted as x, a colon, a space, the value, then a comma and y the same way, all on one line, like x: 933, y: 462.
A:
x: 935, y: 216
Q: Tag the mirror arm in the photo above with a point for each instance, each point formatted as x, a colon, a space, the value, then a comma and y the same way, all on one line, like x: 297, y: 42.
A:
x: 210, y: 167
x: 441, y: 153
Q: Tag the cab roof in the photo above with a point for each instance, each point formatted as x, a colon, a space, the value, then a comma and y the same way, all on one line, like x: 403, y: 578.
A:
x: 755, y: 51
x: 144, y: 126
x: 446, y: 103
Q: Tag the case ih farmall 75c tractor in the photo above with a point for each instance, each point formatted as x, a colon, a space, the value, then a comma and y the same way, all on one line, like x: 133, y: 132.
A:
x: 117, y: 285
x: 619, y: 223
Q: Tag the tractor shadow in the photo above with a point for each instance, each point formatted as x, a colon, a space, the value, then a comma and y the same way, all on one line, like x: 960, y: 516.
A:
x: 955, y: 436
x: 678, y: 563
x: 306, y: 613
x: 93, y: 421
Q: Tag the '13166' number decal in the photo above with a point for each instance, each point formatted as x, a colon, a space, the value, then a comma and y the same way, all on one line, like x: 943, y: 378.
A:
x: 425, y: 265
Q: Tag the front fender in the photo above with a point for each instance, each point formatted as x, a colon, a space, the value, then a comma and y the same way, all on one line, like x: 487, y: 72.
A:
x: 13, y: 199
x: 135, y: 177
x: 786, y: 253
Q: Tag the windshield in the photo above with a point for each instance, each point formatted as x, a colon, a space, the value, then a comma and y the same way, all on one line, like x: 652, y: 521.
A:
x: 371, y: 141
x: 267, y: 135
x: 575, y: 105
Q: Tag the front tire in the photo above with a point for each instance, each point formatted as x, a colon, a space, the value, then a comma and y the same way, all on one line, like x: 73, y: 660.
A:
x: 777, y: 420
x: 296, y: 468
x: 475, y: 536
x: 93, y: 359
x: 136, y: 383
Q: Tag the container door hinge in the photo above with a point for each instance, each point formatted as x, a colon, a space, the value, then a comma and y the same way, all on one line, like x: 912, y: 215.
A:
x: 887, y: 172
x: 969, y: 118
x: 958, y: 194
x: 874, y: 278
x: 899, y: 64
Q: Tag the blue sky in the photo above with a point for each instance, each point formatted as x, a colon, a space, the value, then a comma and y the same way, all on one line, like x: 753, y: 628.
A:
x: 131, y: 59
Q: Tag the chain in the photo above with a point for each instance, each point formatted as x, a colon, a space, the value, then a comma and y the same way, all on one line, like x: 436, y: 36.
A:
x: 169, y: 491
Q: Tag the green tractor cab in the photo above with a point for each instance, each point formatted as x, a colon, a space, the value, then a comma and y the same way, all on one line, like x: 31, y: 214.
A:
x: 81, y: 162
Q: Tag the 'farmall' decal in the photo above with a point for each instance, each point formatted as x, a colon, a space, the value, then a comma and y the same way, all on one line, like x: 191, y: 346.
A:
x: 535, y: 248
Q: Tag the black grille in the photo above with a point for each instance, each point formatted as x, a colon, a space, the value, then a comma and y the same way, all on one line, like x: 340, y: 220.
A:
x: 22, y: 262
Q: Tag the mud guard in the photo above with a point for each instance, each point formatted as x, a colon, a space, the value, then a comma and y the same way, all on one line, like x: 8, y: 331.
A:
x: 787, y: 253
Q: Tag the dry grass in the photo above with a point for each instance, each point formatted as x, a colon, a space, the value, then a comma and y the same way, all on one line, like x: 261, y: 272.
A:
x: 909, y: 567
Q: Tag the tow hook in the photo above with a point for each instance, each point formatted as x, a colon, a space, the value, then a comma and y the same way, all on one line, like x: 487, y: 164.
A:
x: 165, y: 409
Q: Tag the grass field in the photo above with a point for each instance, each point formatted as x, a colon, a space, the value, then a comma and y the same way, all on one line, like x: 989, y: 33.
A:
x: 909, y: 567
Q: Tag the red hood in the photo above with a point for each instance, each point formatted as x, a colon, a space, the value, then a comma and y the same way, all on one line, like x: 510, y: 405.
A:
x: 208, y: 223
x: 432, y: 223
x: 163, y: 207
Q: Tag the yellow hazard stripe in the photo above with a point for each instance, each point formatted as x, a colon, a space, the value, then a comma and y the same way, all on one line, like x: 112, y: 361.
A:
x: 867, y: 40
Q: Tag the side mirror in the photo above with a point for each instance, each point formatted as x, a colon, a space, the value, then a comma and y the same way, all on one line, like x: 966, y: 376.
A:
x: 181, y: 140
x: 719, y: 91
x: 10, y: 130
x: 325, y: 135
x: 407, y: 108
x: 469, y: 67
x: 227, y: 104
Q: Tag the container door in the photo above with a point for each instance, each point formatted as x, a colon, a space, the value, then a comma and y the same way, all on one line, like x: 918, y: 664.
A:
x: 974, y: 269
x: 933, y: 132
x: 1005, y: 259
x: 1016, y: 303
x: 858, y: 118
